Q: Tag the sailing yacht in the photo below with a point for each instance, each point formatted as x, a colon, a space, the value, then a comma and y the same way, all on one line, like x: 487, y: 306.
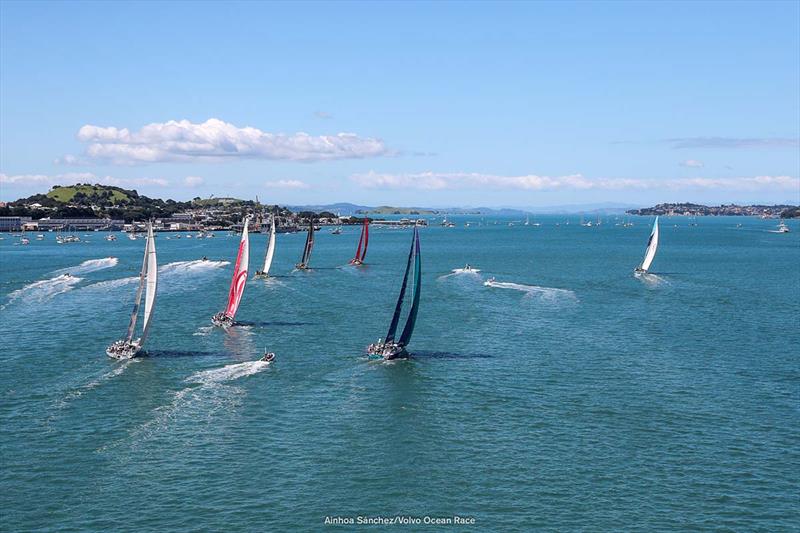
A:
x: 306, y: 259
x: 650, y: 253
x: 225, y: 318
x: 148, y: 282
x: 392, y: 347
x: 264, y: 272
x: 362, y: 253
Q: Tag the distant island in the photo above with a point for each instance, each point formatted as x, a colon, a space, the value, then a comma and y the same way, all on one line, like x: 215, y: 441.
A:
x: 687, y: 209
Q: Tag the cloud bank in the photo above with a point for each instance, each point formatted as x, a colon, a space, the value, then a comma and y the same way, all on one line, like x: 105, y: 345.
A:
x: 433, y: 181
x: 216, y: 140
x: 692, y: 163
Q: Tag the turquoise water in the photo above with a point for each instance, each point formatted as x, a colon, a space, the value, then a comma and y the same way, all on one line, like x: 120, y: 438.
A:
x: 576, y: 398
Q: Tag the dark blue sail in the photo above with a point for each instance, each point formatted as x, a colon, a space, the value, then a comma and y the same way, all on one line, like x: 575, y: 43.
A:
x: 399, y: 307
x: 412, y: 315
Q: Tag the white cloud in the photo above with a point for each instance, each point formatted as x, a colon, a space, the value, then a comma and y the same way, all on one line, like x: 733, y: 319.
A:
x: 692, y: 163
x: 193, y: 181
x: 286, y: 184
x: 71, y: 178
x: 323, y: 114
x: 734, y: 142
x: 217, y: 140
x: 462, y: 180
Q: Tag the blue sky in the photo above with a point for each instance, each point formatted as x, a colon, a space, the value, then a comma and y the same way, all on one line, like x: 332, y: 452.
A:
x: 515, y: 104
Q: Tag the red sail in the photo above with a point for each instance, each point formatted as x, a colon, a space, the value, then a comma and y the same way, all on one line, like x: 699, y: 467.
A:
x: 366, y: 239
x: 239, y: 274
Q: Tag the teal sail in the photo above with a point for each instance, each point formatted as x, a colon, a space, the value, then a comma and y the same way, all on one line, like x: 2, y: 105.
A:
x: 399, y: 307
x: 412, y: 315
x: 408, y: 329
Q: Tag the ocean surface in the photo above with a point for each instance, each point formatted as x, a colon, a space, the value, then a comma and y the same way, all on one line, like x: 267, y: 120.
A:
x: 569, y: 396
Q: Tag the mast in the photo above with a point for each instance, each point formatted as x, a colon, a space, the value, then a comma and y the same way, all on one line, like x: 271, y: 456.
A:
x: 652, y: 246
x: 399, y: 306
x: 412, y: 315
x: 270, y: 247
x: 239, y: 273
x: 151, y: 284
x: 138, y: 299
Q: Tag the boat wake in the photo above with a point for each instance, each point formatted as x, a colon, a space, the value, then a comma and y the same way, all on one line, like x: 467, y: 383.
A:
x: 228, y: 372
x: 77, y: 392
x: 92, y: 265
x: 547, y: 293
x: 45, y: 289
x: 197, y: 265
x: 651, y: 279
x: 203, y: 331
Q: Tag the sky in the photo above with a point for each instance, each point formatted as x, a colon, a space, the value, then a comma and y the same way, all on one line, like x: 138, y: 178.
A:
x: 416, y: 103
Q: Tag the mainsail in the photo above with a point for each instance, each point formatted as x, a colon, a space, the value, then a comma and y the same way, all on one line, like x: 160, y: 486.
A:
x: 408, y: 329
x: 270, y: 248
x: 239, y: 273
x: 151, y: 283
x: 364, y: 240
x: 309, y: 245
x: 652, y: 245
x: 148, y: 280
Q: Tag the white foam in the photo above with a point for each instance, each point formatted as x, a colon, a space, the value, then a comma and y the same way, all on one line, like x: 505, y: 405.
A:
x: 197, y: 265
x: 92, y: 265
x: 46, y: 288
x: 228, y: 373
x: 532, y: 290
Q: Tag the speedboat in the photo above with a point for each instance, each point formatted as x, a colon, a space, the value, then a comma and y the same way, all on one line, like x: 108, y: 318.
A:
x: 268, y: 356
x: 489, y: 282
x: 337, y: 231
x: 783, y: 228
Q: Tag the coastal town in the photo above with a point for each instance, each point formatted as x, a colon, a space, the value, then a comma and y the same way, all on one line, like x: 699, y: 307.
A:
x: 697, y: 210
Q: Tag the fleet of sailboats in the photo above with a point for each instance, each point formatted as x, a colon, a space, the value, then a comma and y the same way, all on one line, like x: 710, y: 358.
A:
x: 226, y: 318
x: 148, y: 283
x: 361, y: 253
x: 264, y: 272
x: 306, y: 259
x: 650, y: 252
x: 393, y: 347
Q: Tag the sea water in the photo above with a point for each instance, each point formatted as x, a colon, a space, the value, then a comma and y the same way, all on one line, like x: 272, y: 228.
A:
x: 567, y: 395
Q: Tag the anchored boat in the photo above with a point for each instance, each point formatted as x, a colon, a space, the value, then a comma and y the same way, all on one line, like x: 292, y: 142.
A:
x: 303, y: 264
x: 225, y: 318
x: 148, y: 282
x: 392, y: 347
x: 264, y: 272
x: 650, y: 253
x: 362, y: 253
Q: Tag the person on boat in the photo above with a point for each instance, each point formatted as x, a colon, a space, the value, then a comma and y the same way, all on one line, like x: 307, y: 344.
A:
x: 204, y: 258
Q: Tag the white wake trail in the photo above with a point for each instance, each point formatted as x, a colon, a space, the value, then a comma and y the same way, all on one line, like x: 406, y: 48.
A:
x: 228, y: 372
x: 92, y: 265
x: 550, y: 293
x: 45, y: 289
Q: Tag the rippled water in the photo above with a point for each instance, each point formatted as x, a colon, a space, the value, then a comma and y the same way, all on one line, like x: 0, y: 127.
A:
x: 566, y: 395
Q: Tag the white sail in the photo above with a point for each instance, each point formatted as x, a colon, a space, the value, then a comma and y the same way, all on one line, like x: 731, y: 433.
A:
x: 652, y: 246
x: 152, y: 283
x: 270, y: 248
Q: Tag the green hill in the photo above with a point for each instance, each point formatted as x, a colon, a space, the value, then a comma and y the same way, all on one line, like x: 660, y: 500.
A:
x: 114, y: 195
